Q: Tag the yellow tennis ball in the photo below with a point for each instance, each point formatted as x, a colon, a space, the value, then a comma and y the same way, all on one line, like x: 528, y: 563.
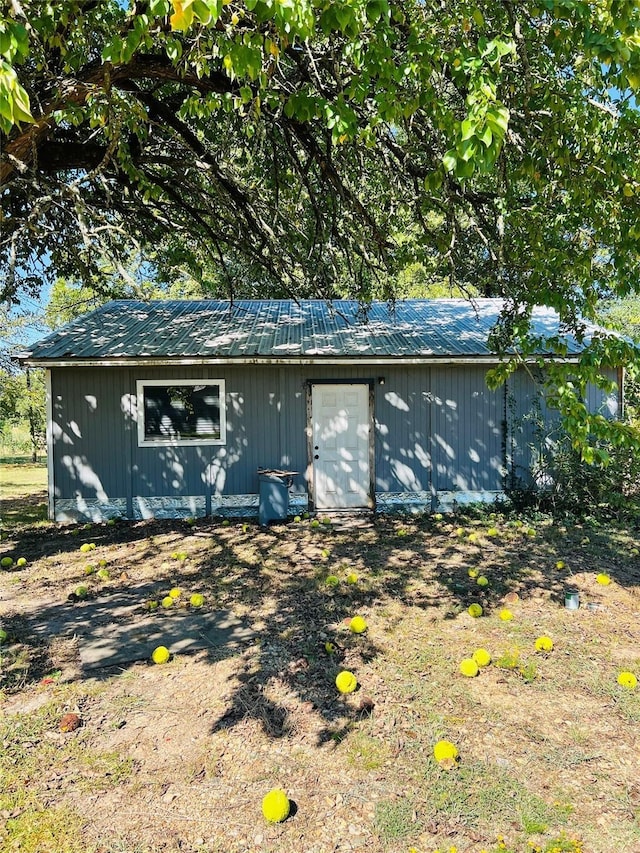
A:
x: 544, y: 644
x: 506, y: 615
x: 603, y: 579
x: 276, y: 806
x: 167, y: 601
x: 358, y: 625
x: 332, y: 580
x: 444, y: 750
x: 196, y: 600
x: 628, y: 680
x: 346, y: 682
x: 160, y: 655
x: 482, y: 581
x: 473, y: 573
x: 482, y: 657
x: 474, y: 610
x: 560, y: 564
x: 469, y: 667
x: 175, y: 592
x: 352, y: 578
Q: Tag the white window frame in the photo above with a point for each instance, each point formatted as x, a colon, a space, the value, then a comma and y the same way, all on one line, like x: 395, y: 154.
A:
x: 146, y: 441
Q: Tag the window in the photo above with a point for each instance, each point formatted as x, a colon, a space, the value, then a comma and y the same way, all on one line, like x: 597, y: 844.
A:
x: 182, y: 411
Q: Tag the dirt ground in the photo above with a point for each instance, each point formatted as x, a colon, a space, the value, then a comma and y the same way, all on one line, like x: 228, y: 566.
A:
x: 177, y: 757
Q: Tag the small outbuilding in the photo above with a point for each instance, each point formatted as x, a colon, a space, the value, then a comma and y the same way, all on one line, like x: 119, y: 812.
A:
x: 172, y: 408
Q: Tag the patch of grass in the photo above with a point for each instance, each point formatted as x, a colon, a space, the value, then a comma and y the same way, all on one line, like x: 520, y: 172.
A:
x: 368, y: 753
x: 15, y: 663
x: 24, y: 749
x: 528, y: 671
x: 394, y: 819
x: 23, y: 489
x: 23, y: 658
x: 98, y: 771
x: 20, y: 476
x: 477, y: 795
x: 28, y: 758
x: 559, y: 844
x: 44, y: 830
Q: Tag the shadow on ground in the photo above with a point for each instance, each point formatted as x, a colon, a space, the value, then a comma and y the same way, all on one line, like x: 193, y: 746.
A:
x: 267, y: 600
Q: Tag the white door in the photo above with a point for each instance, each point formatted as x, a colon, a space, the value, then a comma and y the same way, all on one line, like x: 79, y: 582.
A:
x: 340, y: 432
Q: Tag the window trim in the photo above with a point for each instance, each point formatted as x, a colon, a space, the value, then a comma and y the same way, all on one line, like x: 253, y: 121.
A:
x: 145, y: 441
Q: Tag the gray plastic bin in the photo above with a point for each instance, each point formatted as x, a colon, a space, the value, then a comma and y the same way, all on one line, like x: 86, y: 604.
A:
x: 273, y: 502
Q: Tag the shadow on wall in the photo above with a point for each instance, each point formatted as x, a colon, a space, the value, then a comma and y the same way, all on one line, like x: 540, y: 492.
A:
x: 447, y: 446
x: 425, y: 444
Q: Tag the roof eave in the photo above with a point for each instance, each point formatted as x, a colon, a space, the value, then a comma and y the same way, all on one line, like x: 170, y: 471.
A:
x: 149, y: 361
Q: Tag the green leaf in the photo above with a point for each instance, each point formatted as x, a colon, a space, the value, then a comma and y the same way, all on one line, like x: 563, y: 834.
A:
x: 498, y: 119
x: 17, y: 108
x: 467, y: 149
x: 203, y: 12
x: 450, y: 160
x: 345, y: 16
x: 486, y: 137
x: 112, y: 51
x: 159, y: 8
x: 130, y: 46
x: 173, y: 48
x: 464, y: 169
x: 467, y: 129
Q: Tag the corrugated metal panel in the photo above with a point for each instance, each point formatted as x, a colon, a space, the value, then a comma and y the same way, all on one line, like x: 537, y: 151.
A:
x: 601, y: 401
x: 403, y: 454
x: 88, y: 430
x: 533, y: 427
x: 466, y: 431
x: 285, y: 329
x: 437, y: 428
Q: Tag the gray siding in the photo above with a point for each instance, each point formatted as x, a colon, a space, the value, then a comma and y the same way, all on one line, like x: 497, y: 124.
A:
x: 90, y: 433
x: 532, y: 427
x: 467, y: 431
x: 437, y: 429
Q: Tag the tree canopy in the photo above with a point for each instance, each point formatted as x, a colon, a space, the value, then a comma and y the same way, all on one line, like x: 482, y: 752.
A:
x: 496, y: 142
x: 317, y: 147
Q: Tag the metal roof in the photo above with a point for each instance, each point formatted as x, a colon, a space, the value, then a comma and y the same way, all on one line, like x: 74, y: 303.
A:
x: 128, y: 331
